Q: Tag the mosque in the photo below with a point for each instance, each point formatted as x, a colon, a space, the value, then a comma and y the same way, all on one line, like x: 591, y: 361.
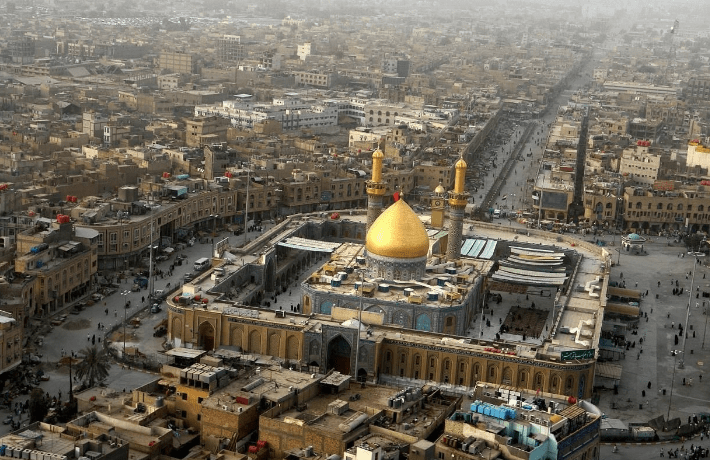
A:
x: 415, y: 303
x: 402, y: 276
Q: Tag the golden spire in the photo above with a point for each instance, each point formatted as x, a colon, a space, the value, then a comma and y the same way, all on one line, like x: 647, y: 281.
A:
x: 460, y: 180
x: 377, y: 157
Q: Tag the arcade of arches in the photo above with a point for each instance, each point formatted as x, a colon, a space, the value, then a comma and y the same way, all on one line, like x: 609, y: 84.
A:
x: 402, y: 358
x: 420, y: 363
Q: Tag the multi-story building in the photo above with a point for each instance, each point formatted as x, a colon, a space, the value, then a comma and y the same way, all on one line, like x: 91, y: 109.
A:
x: 554, y: 191
x: 21, y: 47
x: 202, y: 131
x: 230, y: 49
x: 515, y: 424
x: 698, y: 154
x: 430, y: 174
x: 61, y: 257
x: 177, y: 61
x: 304, y: 50
x: 698, y: 88
x: 93, y: 124
x: 396, y: 63
x: 10, y: 342
x: 639, y: 165
x: 291, y: 114
x: 666, y: 206
x: 317, y: 79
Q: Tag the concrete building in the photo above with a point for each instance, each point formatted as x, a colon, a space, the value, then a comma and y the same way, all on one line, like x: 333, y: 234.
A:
x: 93, y: 124
x: 41, y: 438
x: 230, y: 49
x: 304, y: 50
x: 698, y: 154
x: 62, y: 258
x: 177, y: 61
x: 511, y: 423
x: 290, y: 113
x: 639, y: 165
x: 317, y: 79
x: 201, y: 131
x: 11, y: 338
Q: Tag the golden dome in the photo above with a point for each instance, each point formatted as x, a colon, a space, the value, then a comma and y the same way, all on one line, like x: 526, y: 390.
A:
x: 439, y: 190
x: 461, y: 164
x: 378, y: 154
x: 398, y: 233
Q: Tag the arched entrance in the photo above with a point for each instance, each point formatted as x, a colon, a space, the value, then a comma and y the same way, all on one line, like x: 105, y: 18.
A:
x: 339, y: 351
x: 361, y: 375
x: 206, y: 336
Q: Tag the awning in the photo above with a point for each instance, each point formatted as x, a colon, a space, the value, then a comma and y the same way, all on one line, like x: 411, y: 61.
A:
x: 185, y: 353
x: 305, y: 244
x: 622, y: 309
x: 70, y: 246
x: 608, y: 371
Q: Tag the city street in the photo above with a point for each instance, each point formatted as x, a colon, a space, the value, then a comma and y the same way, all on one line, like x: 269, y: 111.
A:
x: 78, y: 330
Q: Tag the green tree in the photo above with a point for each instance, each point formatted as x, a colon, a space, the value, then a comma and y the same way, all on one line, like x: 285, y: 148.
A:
x: 94, y: 365
x: 38, y: 405
x: 693, y: 241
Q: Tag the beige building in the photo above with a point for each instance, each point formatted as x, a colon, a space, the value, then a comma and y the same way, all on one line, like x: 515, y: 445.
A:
x: 176, y: 61
x: 698, y: 154
x: 639, y: 165
x: 205, y: 130
x: 62, y: 258
x: 10, y: 342
x: 666, y: 206
x: 431, y: 174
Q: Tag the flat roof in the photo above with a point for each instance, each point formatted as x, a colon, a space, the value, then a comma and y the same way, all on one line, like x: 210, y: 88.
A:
x: 185, y: 352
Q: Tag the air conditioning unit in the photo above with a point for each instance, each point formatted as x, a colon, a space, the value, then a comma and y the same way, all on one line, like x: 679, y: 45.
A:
x: 225, y: 407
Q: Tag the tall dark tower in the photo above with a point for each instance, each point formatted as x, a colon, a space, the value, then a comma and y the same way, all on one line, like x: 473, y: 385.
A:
x: 375, y: 190
x: 576, y: 208
x: 458, y: 199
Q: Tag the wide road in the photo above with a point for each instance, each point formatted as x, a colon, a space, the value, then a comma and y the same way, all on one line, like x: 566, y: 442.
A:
x: 514, y: 189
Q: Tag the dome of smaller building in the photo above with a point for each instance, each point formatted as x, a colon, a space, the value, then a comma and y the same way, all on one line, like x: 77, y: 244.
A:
x: 439, y: 190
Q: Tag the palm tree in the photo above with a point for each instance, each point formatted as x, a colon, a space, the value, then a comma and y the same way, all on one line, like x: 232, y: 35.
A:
x: 94, y: 365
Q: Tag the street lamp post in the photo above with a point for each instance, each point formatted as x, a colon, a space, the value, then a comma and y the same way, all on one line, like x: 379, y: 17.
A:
x: 687, y: 317
x: 214, y: 231
x: 675, y: 353
x: 125, y: 307
x: 705, y: 330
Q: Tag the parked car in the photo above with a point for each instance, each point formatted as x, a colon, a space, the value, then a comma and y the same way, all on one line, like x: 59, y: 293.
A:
x: 8, y: 420
x: 96, y: 297
x: 155, y: 308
